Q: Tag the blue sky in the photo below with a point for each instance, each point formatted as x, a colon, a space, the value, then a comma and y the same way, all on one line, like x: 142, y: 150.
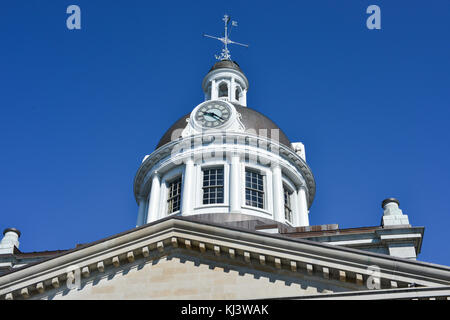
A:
x: 80, y: 109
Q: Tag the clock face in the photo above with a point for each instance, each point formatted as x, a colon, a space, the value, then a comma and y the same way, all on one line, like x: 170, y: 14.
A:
x: 213, y: 114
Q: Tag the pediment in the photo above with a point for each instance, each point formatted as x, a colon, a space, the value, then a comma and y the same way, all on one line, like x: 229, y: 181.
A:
x: 180, y: 275
x: 176, y: 258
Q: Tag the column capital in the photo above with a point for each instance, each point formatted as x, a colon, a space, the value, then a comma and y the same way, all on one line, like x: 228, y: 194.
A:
x: 189, y: 160
x: 275, y: 165
x: 155, y: 173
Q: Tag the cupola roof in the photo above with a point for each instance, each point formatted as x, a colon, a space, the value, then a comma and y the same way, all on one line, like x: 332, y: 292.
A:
x: 226, y: 64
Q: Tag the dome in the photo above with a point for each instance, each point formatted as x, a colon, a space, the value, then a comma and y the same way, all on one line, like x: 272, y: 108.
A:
x: 226, y: 64
x: 251, y: 119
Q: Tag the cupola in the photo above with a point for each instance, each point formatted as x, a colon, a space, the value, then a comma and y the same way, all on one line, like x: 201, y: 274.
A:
x: 226, y: 81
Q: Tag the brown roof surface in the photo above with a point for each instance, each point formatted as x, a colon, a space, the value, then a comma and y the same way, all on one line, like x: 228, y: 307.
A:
x: 316, y: 231
x: 252, y: 120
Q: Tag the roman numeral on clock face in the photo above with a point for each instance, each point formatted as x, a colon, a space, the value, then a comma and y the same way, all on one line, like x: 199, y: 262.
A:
x: 213, y: 115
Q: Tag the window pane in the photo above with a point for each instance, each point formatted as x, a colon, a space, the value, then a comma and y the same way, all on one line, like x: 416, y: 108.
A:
x: 174, y: 195
x: 254, y: 189
x: 213, y: 185
x: 287, y: 205
x: 223, y: 90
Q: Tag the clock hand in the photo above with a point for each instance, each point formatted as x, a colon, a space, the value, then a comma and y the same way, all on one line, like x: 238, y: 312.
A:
x: 217, y: 116
x: 212, y: 114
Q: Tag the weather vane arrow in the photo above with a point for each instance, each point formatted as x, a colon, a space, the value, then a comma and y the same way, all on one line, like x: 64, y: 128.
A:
x: 225, y: 54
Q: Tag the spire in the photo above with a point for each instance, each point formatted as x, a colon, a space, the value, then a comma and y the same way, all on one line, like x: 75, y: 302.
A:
x: 225, y: 54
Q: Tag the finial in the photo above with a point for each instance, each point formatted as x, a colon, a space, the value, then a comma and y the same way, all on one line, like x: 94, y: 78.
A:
x: 11, y: 230
x: 225, y: 54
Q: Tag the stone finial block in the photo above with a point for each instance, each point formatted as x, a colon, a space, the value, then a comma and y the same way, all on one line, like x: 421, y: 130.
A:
x: 393, y: 215
x: 326, y: 273
x: 85, y: 272
x: 217, y: 250
x: 174, y: 241
x: 9, y: 241
x: 247, y: 256
x: 232, y: 253
x: 278, y: 263
x: 101, y: 266
x: 395, y: 220
x: 130, y: 256
x: 293, y: 266
x: 55, y: 282
x: 116, y: 261
x: 9, y: 296
x: 391, y: 205
x: 202, y: 247
x: 188, y: 244
x: 262, y: 259
x: 24, y: 292
x: 342, y: 275
x: 299, y: 148
x: 160, y: 246
x: 40, y: 287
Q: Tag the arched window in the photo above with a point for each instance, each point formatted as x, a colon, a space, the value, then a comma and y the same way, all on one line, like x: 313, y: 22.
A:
x: 223, y: 90
x: 287, y: 204
x: 237, y: 94
x: 174, y: 195
x: 254, y: 189
x: 213, y: 185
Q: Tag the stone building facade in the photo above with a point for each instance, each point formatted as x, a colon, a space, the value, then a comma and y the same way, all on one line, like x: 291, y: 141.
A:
x: 224, y: 213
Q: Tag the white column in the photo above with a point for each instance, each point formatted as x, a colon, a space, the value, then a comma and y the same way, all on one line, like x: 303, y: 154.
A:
x: 302, y: 204
x: 187, y: 199
x: 244, y: 98
x: 153, y: 204
x: 235, y: 184
x: 232, y: 89
x: 141, y: 212
x: 295, y: 208
x: 9, y: 241
x: 214, y: 93
x: 278, y: 196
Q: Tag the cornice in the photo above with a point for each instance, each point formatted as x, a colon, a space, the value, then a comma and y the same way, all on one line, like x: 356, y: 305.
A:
x: 240, y: 141
x: 233, y: 245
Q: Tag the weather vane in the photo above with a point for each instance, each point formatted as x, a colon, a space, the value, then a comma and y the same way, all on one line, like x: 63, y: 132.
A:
x: 225, y: 54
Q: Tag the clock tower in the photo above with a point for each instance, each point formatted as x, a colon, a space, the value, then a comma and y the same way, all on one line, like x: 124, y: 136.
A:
x: 226, y: 161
